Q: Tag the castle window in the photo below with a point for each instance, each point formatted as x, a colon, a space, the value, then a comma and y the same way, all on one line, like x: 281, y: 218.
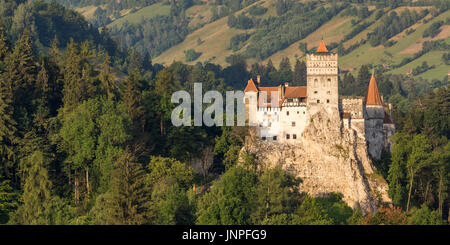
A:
x: 298, y: 112
x: 265, y: 113
x: 328, y: 101
x: 246, y: 101
x: 328, y: 92
x: 294, y: 136
x: 318, y: 101
x: 315, y: 82
x: 274, y: 137
x: 293, y: 124
x: 315, y: 92
x: 329, y: 82
x: 263, y: 138
x: 303, y: 112
x: 287, y: 113
x: 287, y: 136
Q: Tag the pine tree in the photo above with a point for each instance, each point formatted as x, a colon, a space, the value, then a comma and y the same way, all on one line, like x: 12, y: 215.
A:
x: 107, y: 79
x: 37, y: 193
x: 8, y: 130
x: 285, y: 70
x: 275, y: 191
x: 130, y: 194
x: 20, y: 76
x: 54, y: 52
x: 132, y: 99
x: 362, y: 80
x: 271, y: 72
x: 4, y: 45
x: 165, y: 85
x: 41, y: 97
x: 135, y: 63
x: 56, y: 79
x: 299, y: 75
x: 8, y: 138
x: 74, y: 89
x: 8, y: 200
x: 42, y: 86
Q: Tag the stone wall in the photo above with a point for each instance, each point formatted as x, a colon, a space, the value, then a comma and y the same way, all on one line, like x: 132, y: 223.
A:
x: 354, y: 107
x: 375, y: 136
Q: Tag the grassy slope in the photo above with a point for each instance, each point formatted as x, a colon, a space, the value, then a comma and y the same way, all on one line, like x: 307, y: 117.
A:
x: 332, y: 31
x: 147, y: 13
x: 215, y: 39
x: 199, y: 14
x: 406, y: 46
x: 87, y: 11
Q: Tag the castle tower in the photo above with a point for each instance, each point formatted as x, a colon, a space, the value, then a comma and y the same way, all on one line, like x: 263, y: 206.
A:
x: 250, y: 102
x: 375, y: 118
x: 322, y: 81
x: 374, y: 103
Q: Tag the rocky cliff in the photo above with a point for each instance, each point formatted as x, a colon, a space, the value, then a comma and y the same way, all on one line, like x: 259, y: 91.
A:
x: 328, y: 158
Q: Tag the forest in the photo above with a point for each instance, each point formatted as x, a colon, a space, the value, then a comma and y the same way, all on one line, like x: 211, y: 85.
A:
x: 86, y: 138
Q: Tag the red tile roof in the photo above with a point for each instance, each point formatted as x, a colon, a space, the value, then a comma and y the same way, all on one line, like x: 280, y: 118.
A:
x: 268, y: 91
x: 296, y: 92
x: 251, y: 86
x: 322, y: 48
x: 373, y: 95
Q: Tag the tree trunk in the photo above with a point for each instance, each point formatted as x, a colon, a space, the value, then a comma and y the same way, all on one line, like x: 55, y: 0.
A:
x: 161, y: 126
x: 268, y: 197
x: 440, y: 193
x: 427, y: 189
x: 87, y: 182
x: 410, y: 190
x: 76, y: 187
x: 70, y: 176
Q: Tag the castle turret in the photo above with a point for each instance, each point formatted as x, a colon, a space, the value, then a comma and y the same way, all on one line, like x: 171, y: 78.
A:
x: 374, y: 102
x: 375, y: 117
x: 322, y: 81
x: 250, y: 101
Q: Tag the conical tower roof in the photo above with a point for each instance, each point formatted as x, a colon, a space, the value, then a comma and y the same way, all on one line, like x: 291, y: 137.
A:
x: 251, y: 87
x: 373, y: 95
x: 322, y: 48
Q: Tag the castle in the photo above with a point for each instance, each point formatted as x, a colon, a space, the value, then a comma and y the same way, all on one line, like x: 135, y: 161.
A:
x: 280, y: 114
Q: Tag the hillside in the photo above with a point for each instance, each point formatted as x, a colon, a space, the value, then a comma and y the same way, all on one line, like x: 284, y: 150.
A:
x: 334, y: 30
x: 202, y: 26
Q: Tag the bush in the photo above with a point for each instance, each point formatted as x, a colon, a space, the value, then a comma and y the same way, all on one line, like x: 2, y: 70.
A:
x: 433, y: 30
x: 238, y: 41
x: 257, y: 10
x: 191, y: 55
x: 425, y: 216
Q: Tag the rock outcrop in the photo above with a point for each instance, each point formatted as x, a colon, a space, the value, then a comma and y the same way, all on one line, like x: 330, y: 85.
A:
x: 328, y: 158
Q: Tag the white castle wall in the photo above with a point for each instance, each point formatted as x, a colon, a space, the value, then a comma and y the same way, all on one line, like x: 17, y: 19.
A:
x: 268, y: 123
x: 293, y: 122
